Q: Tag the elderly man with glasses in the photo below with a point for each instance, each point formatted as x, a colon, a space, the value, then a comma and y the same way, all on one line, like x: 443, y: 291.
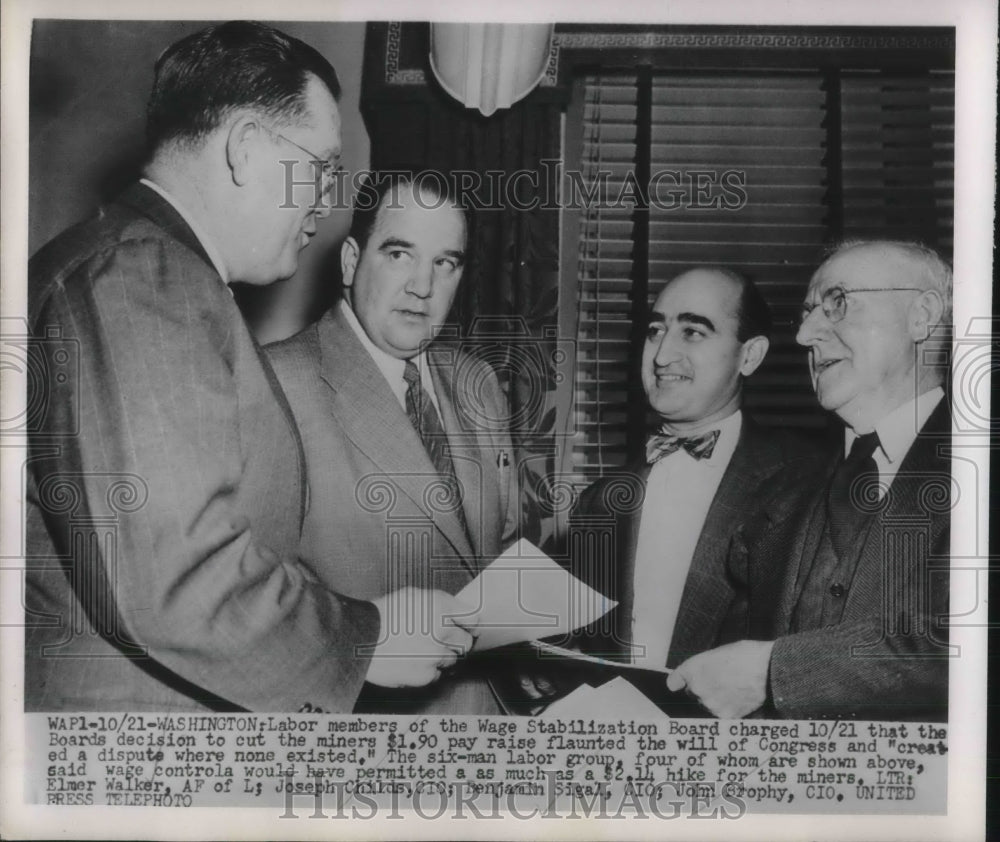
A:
x: 848, y: 576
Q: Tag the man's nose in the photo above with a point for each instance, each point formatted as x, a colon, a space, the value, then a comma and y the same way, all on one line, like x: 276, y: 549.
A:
x: 322, y: 207
x: 815, y: 324
x: 421, y: 281
x: 667, y: 351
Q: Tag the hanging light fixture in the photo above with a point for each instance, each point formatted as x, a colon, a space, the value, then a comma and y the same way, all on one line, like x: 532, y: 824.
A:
x: 489, y: 65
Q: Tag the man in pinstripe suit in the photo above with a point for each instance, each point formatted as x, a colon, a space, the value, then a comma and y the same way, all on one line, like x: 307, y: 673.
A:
x: 166, y: 488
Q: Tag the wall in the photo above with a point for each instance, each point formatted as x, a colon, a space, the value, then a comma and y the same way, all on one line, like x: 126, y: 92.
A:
x: 89, y: 84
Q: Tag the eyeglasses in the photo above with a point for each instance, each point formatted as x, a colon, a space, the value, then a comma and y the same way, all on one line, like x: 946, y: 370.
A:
x: 329, y: 170
x: 833, y: 302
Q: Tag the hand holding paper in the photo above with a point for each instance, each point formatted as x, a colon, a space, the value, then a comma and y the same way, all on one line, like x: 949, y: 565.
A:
x: 420, y: 633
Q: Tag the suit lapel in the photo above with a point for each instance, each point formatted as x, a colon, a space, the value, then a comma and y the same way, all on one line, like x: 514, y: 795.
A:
x: 800, y: 547
x: 470, y: 450
x: 693, y: 632
x: 920, y: 463
x: 374, y: 421
x: 922, y: 471
x: 627, y: 525
x: 286, y: 410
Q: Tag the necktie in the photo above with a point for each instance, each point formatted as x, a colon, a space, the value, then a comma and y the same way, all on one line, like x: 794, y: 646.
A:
x: 849, y: 490
x: 425, y: 420
x: 663, y: 444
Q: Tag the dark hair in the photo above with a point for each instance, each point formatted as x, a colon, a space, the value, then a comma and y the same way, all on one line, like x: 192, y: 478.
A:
x: 240, y: 64
x: 371, y: 197
x: 754, y: 317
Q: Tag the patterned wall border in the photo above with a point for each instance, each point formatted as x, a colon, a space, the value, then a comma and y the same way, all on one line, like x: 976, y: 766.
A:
x: 759, y: 40
x: 394, y: 75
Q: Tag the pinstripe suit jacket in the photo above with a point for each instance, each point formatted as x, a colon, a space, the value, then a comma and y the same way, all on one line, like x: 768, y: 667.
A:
x: 712, y: 607
x: 165, y: 490
x: 374, y: 523
x: 887, y: 657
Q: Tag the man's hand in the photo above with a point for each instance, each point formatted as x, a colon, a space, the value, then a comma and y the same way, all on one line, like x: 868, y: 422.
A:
x: 420, y: 636
x: 731, y: 681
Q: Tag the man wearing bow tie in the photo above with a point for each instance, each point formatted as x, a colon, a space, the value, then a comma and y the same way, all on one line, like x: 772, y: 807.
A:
x: 705, y: 471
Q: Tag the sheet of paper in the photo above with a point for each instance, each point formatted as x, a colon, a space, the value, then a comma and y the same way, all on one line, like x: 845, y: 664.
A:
x: 561, y: 652
x: 617, y: 695
x: 524, y: 595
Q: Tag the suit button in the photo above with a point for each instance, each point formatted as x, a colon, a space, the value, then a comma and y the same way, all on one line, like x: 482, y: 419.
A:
x: 837, y: 590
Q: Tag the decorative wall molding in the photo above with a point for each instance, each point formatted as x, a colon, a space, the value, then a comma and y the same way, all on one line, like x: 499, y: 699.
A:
x: 394, y: 75
x: 721, y: 38
x: 727, y: 38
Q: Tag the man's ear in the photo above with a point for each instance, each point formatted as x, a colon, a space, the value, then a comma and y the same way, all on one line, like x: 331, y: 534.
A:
x: 239, y: 148
x: 753, y: 353
x: 349, y: 254
x: 925, y: 314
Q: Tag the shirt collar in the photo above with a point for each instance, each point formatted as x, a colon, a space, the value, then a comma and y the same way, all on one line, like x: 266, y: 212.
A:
x: 729, y: 433
x: 199, y: 232
x: 391, y: 367
x: 898, y: 430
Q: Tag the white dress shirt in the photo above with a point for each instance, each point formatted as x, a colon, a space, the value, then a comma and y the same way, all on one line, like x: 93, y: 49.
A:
x: 679, y: 493
x: 392, y: 367
x: 896, y: 433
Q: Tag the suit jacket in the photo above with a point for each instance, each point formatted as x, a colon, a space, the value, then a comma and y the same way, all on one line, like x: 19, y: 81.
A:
x: 887, y: 657
x: 165, y: 490
x: 375, y: 523
x: 712, y: 607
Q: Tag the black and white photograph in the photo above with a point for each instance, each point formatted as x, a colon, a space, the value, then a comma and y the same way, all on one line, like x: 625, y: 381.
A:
x: 515, y: 423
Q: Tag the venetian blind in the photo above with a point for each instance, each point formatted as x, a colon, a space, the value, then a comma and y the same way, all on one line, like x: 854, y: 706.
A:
x: 898, y: 153
x: 605, y: 272
x: 738, y: 174
x: 766, y: 133
x: 752, y: 171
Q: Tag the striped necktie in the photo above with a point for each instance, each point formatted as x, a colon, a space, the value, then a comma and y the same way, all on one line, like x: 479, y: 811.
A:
x: 425, y: 420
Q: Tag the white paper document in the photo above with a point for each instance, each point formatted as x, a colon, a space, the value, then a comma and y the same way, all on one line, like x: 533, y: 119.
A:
x: 524, y: 595
x: 617, y: 695
x: 551, y: 650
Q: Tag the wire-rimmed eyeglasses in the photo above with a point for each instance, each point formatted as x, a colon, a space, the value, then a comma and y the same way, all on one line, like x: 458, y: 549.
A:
x: 833, y: 302
x: 329, y: 169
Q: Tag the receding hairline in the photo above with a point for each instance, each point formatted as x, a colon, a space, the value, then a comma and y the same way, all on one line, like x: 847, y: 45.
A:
x: 736, y: 283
